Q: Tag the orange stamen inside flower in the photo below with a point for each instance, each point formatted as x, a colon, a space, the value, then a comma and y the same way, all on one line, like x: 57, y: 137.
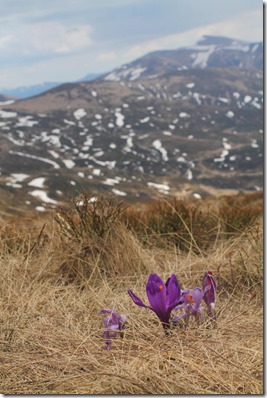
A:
x: 190, y: 298
x: 161, y: 287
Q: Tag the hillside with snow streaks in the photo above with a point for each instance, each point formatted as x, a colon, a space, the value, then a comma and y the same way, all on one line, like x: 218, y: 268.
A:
x: 211, y: 51
x: 190, y: 129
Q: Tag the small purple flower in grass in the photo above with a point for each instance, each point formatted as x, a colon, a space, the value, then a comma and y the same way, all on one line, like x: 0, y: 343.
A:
x: 113, y: 324
x: 163, y: 297
x: 209, y: 288
x: 191, y: 300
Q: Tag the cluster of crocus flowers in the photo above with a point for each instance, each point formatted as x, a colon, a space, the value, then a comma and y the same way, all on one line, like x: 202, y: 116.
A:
x: 190, y: 304
x: 165, y: 297
x: 162, y: 297
x: 113, y: 323
x: 191, y: 300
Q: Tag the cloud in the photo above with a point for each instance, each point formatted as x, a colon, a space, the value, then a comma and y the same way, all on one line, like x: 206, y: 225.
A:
x: 106, y: 56
x: 48, y: 38
x: 5, y: 40
x: 57, y: 38
x: 55, y: 41
x: 69, y: 68
x: 246, y: 27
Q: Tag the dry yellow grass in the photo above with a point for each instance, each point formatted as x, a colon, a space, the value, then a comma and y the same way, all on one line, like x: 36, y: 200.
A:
x: 51, y: 330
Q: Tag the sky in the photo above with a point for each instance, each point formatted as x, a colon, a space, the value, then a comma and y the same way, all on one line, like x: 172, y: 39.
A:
x: 64, y: 40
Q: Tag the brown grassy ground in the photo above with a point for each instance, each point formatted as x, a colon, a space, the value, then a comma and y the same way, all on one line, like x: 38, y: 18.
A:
x: 53, y: 287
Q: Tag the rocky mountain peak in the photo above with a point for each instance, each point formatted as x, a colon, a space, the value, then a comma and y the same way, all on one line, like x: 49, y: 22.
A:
x: 218, y: 40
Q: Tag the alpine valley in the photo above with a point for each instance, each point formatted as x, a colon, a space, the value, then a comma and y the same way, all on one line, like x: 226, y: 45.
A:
x: 185, y: 123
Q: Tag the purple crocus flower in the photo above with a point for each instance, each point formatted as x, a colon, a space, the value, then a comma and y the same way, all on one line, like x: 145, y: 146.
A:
x: 209, y: 288
x: 113, y: 323
x: 163, y: 297
x: 191, y: 300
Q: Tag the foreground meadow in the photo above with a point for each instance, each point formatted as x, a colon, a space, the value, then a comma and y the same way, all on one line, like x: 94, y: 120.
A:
x: 58, y: 273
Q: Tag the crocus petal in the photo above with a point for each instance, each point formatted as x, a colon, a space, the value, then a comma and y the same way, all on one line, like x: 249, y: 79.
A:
x: 114, y: 327
x: 184, y: 296
x: 137, y: 300
x: 173, y: 292
x: 179, y: 307
x: 158, y: 299
x: 158, y: 281
x: 201, y: 313
x: 209, y: 296
x: 107, y: 311
x: 212, y: 278
x: 211, y: 309
x: 209, y: 288
x: 107, y: 340
x: 198, y: 314
x: 106, y: 334
x: 177, y: 318
x: 108, y: 321
x: 115, y: 317
x: 122, y: 321
x: 197, y: 294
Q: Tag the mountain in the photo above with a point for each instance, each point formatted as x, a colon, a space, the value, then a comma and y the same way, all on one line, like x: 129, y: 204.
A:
x: 211, y: 51
x: 30, y: 91
x: 3, y: 97
x: 6, y: 99
x: 184, y: 131
x: 90, y: 76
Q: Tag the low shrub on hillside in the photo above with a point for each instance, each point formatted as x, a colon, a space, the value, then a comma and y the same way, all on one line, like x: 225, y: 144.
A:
x: 18, y: 240
x: 236, y: 219
x: 182, y: 224
x: 89, y: 217
x: 95, y: 240
x: 106, y: 232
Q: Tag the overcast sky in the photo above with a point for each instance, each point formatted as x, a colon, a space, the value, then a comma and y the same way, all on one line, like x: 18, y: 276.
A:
x: 63, y: 40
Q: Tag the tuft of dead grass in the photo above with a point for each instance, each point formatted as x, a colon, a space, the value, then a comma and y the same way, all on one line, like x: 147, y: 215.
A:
x: 51, y: 330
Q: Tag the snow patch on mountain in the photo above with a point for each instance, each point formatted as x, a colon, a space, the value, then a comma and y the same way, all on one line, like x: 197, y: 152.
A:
x: 27, y: 155
x: 158, y: 145
x: 230, y: 114
x: 118, y: 192
x: 119, y: 119
x: 163, y: 188
x: 202, y: 56
x: 43, y: 196
x: 129, y: 73
x: 68, y: 163
x: 15, y: 178
x: 7, y: 114
x: 79, y: 113
x: 37, y: 182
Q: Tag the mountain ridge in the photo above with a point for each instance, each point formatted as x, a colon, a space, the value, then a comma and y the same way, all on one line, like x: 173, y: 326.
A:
x: 24, y: 92
x: 208, y: 52
x: 192, y: 131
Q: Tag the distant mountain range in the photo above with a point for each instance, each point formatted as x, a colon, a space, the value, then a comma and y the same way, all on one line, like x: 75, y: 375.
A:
x: 187, y: 122
x: 30, y: 91
x: 5, y: 98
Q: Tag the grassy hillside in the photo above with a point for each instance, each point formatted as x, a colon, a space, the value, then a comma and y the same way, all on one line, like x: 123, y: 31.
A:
x: 58, y: 273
